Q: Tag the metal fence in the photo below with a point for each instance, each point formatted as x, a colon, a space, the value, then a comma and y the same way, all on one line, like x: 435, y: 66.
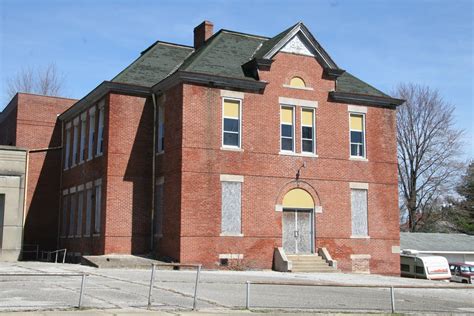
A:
x: 391, y: 288
x: 83, y: 281
x: 152, y: 279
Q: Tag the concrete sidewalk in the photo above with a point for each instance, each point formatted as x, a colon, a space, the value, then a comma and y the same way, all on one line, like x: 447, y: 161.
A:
x: 125, y: 291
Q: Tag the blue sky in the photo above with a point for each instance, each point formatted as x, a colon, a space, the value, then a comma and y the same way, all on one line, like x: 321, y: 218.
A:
x: 382, y: 42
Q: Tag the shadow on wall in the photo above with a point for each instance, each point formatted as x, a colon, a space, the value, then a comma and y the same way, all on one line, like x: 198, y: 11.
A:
x: 139, y: 172
x: 41, y: 223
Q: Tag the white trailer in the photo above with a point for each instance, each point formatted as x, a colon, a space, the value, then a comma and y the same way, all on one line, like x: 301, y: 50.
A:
x: 423, y: 266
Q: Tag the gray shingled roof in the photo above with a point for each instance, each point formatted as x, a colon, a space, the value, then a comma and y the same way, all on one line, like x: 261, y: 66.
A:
x: 154, y: 64
x: 350, y: 84
x: 436, y: 242
x: 222, y: 55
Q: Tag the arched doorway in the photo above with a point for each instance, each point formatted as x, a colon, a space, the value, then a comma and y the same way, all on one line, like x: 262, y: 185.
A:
x: 298, y: 222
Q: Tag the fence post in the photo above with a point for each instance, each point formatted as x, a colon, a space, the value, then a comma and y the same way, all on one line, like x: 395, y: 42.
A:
x: 196, y: 287
x: 81, y: 294
x: 392, y: 297
x: 56, y: 260
x: 247, y: 297
x: 37, y: 251
x: 152, y: 280
x: 64, y: 256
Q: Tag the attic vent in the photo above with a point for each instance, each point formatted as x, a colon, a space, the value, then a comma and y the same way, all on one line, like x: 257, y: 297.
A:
x: 297, y: 82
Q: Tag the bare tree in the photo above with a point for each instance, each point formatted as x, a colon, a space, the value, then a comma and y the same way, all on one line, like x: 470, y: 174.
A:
x: 44, y: 81
x: 428, y: 151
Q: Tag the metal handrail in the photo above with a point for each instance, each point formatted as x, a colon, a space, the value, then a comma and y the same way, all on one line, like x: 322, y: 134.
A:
x: 83, y: 281
x: 391, y: 287
x: 49, y: 253
x: 152, y: 278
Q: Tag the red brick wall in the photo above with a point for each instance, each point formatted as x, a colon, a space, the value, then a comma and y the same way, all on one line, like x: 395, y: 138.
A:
x: 168, y: 165
x: 267, y: 173
x: 125, y: 170
x: 8, y: 123
x: 33, y: 124
x: 129, y: 175
x: 81, y: 174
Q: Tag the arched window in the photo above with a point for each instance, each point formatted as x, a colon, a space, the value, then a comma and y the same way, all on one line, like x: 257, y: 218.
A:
x: 298, y: 199
x: 297, y: 82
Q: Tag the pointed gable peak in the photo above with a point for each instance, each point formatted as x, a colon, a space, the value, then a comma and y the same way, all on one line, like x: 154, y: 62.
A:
x: 298, y: 40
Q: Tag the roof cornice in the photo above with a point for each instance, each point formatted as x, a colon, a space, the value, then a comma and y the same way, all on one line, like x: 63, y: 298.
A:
x: 208, y: 80
x: 101, y: 90
x: 354, y: 98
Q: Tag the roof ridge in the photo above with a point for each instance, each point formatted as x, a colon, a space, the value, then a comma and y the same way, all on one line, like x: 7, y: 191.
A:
x: 245, y: 34
x: 165, y: 43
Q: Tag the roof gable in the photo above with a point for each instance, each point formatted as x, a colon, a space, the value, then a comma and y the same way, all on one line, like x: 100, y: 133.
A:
x: 296, y: 39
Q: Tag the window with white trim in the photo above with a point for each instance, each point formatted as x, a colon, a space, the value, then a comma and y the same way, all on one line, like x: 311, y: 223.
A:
x: 231, y: 111
x: 100, y: 134
x: 89, y: 197
x: 72, y: 214
x: 359, y: 213
x: 160, y: 137
x: 80, y: 206
x: 357, y: 135
x: 287, y: 128
x: 68, y: 148
x: 98, y: 208
x: 307, y: 131
x: 90, y: 147
x: 65, y: 214
x: 231, y: 222
x: 82, y: 147
x: 75, y: 140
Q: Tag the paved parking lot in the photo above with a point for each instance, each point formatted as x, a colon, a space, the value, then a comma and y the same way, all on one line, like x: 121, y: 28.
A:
x: 219, y: 291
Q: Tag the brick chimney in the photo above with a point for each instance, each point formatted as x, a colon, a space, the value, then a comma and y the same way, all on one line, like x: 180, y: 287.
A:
x: 202, y: 32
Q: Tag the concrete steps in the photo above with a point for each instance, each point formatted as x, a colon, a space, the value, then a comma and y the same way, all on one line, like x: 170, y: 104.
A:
x: 310, y: 263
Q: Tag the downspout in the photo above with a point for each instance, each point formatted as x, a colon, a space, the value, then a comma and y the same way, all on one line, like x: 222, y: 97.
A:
x: 153, y: 180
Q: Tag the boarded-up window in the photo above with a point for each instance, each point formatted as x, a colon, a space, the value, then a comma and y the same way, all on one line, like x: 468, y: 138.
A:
x: 231, y: 208
x: 359, y: 212
x: 98, y: 208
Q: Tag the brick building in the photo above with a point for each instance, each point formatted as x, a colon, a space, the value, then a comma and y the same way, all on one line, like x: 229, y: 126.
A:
x: 31, y: 122
x: 241, y: 148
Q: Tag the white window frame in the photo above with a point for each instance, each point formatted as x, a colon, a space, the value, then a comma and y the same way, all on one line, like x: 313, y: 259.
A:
x: 98, y: 207
x: 160, y: 132
x: 100, y: 130
x: 89, y: 205
x: 240, y: 123
x: 72, y: 212
x: 82, y: 143
x: 364, y: 132
x: 75, y: 141
x: 92, y: 133
x: 80, y: 210
x: 313, y: 113
x: 67, y: 154
x: 293, y: 126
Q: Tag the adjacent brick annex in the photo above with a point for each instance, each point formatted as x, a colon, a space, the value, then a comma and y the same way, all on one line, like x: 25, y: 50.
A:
x: 30, y: 121
x: 193, y: 162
